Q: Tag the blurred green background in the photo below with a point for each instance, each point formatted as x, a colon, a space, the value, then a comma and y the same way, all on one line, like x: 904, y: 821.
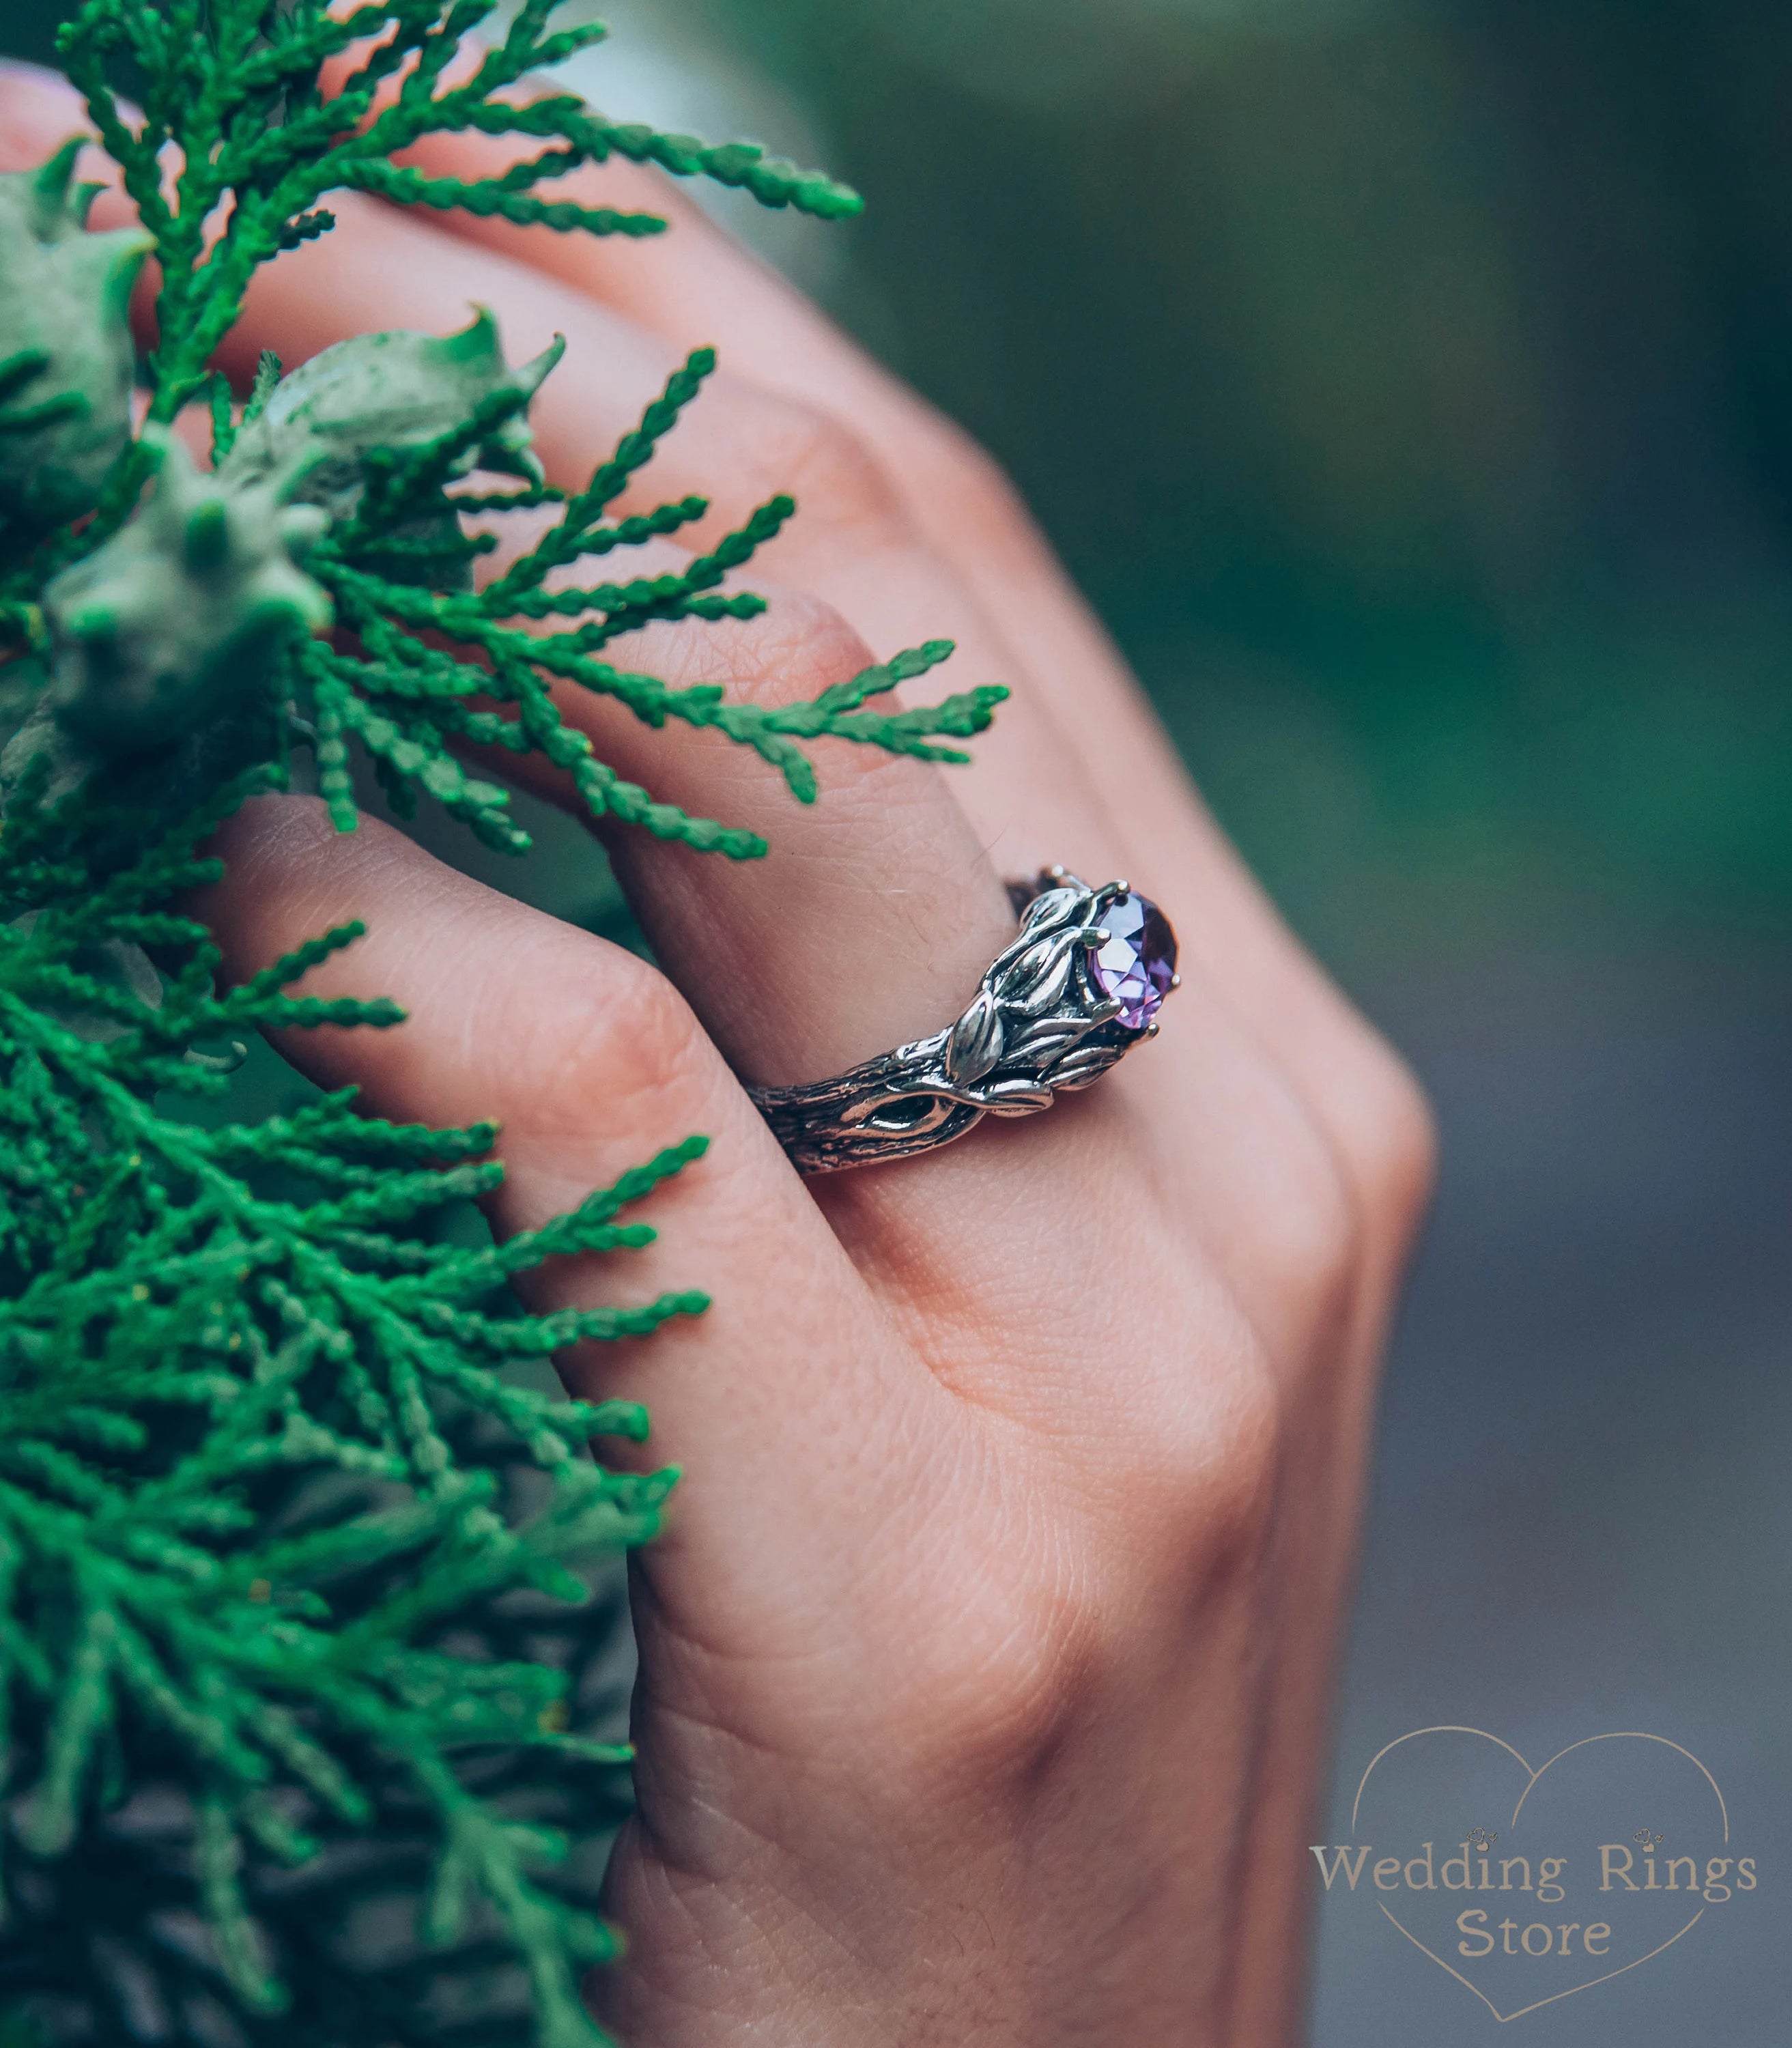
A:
x: 1409, y: 383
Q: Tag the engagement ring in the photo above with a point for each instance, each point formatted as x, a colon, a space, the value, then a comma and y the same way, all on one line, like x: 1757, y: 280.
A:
x: 1079, y: 986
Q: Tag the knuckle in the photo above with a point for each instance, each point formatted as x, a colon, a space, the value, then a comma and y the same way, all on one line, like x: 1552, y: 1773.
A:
x: 1309, y: 1233
x: 1043, y: 1618
x: 943, y: 459
x: 794, y: 650
x: 1385, y: 1134
x: 966, y: 476
x: 1027, y: 1693
x: 1202, y: 1477
x: 1230, y: 1504
x: 1397, y: 1154
x: 619, y: 1042
x: 1035, y: 1630
x: 814, y: 455
x: 1003, y: 1669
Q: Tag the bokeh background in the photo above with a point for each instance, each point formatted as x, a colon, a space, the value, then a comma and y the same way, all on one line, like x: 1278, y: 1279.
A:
x: 1409, y: 383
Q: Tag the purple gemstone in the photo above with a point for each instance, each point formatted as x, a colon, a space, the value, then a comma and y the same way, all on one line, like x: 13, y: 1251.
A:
x: 1138, y: 963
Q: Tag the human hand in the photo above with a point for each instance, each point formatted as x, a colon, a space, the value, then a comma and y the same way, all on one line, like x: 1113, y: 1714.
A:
x: 984, y: 1666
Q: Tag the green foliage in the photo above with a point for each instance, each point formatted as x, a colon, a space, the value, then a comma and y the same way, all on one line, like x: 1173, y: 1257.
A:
x: 236, y: 86
x: 409, y: 702
x: 297, y: 1632
x: 375, y: 430
x: 241, y: 1489
x: 364, y: 1968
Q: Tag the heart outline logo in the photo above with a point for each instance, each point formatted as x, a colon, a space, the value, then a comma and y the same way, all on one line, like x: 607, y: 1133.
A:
x: 1615, y: 1734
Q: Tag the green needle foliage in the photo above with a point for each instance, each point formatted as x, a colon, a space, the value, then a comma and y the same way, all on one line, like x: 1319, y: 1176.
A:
x: 299, y: 1649
x: 235, y: 1524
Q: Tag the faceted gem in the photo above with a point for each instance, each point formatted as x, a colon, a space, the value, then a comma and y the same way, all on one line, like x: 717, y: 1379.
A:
x: 1136, y: 965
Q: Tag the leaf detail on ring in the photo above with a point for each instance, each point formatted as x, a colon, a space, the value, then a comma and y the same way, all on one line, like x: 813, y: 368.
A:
x: 1077, y: 1069
x: 1051, y: 964
x: 1050, y: 909
x: 975, y: 1045
x: 1045, y: 1040
x: 1019, y: 1098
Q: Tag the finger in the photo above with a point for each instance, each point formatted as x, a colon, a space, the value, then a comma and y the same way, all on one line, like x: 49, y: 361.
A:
x: 874, y: 912
x: 584, y: 1055
x: 1077, y: 767
x: 342, y: 286
x: 737, y: 447
x: 698, y: 285
x: 881, y: 907
x: 1029, y: 799
x: 584, y: 1052
x: 786, y: 1008
x: 591, y: 1065
x: 880, y: 912
x: 853, y: 543
x: 846, y: 939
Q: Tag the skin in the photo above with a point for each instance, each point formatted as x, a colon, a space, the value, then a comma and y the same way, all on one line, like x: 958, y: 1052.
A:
x: 985, y: 1665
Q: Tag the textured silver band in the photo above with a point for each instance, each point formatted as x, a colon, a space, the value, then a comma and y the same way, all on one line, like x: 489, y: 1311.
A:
x: 1040, y: 1021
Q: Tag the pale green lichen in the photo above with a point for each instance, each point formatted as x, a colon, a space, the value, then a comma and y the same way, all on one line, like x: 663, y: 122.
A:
x: 65, y: 348
x: 390, y: 391
x: 186, y: 607
x: 167, y: 639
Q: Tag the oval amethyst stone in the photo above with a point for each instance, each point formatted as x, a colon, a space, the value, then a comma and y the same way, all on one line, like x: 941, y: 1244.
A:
x: 1137, y: 965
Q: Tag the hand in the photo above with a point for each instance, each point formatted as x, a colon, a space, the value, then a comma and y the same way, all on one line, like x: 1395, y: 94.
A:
x: 984, y: 1667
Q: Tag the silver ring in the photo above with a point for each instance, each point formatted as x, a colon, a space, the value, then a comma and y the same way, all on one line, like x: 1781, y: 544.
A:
x: 1079, y: 987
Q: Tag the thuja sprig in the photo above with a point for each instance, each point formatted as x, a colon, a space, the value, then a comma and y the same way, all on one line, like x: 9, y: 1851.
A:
x: 81, y: 1936
x: 236, y: 144
x: 234, y: 88
x: 200, y: 1323
x: 409, y: 701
